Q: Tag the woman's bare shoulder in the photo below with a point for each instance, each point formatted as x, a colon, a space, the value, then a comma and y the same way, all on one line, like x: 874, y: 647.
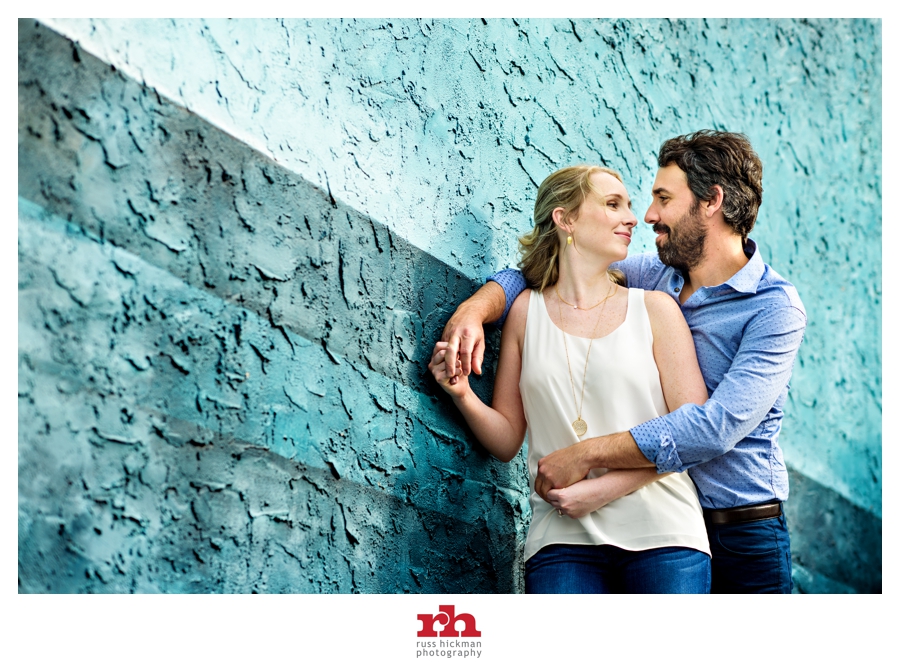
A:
x: 662, y: 306
x: 519, y: 310
x: 660, y: 301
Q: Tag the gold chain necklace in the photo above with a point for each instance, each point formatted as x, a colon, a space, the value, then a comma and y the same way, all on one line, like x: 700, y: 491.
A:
x: 575, y: 306
x: 579, y: 425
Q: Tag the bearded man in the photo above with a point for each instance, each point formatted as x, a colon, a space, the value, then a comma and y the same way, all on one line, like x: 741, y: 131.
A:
x: 747, y: 323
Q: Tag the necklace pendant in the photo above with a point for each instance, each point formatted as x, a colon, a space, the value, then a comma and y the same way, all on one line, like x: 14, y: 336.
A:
x: 579, y: 426
x: 574, y: 306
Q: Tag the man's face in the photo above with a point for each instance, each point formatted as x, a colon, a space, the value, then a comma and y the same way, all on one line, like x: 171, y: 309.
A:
x: 676, y: 220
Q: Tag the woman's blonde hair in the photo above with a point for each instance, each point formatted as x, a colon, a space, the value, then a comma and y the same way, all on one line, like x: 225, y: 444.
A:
x: 566, y: 188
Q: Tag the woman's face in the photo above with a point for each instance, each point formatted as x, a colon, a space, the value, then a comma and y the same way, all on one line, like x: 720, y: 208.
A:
x: 605, y: 221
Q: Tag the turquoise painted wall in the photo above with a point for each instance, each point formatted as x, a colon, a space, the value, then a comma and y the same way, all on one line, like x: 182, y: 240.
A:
x: 238, y: 239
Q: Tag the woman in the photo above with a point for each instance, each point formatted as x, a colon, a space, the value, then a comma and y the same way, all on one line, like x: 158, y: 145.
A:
x: 583, y: 356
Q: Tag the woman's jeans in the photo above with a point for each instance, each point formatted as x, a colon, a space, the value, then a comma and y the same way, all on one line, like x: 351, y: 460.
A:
x: 574, y: 569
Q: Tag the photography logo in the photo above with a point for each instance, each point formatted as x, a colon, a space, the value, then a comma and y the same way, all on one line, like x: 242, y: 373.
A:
x: 450, y: 640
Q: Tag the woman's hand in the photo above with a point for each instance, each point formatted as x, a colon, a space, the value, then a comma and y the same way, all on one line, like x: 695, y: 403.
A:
x: 450, y: 378
x: 580, y: 498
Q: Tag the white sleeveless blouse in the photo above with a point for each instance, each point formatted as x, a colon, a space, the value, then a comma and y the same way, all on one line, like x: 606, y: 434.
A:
x: 622, y: 390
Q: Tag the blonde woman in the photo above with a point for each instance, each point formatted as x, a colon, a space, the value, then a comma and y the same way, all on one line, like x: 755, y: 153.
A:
x: 583, y: 356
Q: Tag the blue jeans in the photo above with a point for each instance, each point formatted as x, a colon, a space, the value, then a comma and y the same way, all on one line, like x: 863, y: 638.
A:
x: 751, y: 557
x: 576, y: 569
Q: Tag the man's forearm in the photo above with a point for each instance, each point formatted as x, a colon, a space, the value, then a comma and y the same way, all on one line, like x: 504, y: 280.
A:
x: 489, y: 301
x: 464, y: 332
x: 485, y: 306
x: 613, y: 451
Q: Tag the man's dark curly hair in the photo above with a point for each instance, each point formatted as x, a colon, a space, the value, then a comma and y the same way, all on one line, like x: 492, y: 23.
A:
x: 713, y: 157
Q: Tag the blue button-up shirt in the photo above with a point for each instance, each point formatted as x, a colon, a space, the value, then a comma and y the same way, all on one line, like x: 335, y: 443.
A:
x: 747, y: 332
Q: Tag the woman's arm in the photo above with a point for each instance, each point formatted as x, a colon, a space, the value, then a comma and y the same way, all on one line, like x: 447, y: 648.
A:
x: 587, y: 495
x: 673, y: 349
x: 501, y: 427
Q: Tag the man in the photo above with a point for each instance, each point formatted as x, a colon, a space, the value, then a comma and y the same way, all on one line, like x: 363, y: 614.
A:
x: 747, y: 323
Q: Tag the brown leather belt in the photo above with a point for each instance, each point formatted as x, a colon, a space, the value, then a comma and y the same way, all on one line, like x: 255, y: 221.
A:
x: 743, y: 514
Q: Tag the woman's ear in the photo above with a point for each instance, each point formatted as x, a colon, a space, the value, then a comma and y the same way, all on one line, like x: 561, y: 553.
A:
x: 561, y: 220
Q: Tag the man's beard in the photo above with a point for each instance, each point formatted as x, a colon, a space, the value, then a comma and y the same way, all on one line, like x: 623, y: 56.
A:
x: 683, y: 247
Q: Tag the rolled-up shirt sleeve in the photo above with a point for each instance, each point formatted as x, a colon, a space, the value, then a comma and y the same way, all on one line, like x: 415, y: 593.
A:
x: 758, y: 375
x: 512, y: 282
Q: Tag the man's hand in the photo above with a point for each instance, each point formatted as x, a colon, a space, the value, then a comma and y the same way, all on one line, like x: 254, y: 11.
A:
x: 465, y: 342
x: 464, y: 333
x: 560, y: 469
x: 564, y: 467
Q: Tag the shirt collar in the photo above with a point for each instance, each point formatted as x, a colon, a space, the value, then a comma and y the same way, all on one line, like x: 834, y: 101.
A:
x: 746, y: 280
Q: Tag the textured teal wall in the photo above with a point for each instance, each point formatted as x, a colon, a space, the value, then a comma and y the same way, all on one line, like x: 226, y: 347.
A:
x: 370, y: 173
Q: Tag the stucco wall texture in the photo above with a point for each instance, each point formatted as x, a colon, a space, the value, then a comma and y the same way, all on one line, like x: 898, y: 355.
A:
x: 239, y: 239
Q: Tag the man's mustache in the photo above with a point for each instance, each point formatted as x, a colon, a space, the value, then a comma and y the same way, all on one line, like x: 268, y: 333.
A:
x: 660, y: 227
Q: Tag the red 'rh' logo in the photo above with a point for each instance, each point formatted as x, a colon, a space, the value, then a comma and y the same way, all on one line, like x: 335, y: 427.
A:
x: 448, y: 619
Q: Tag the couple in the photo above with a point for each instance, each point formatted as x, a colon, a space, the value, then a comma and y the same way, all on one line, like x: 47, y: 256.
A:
x: 637, y: 476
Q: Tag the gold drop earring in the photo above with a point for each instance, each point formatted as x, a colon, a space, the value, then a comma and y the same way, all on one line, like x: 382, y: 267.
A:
x: 569, y: 240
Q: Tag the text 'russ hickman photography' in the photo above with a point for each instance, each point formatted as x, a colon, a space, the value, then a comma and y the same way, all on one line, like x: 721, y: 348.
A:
x: 440, y: 636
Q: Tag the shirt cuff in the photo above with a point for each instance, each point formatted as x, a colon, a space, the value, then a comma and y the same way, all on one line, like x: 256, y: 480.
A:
x: 656, y: 442
x: 512, y: 282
